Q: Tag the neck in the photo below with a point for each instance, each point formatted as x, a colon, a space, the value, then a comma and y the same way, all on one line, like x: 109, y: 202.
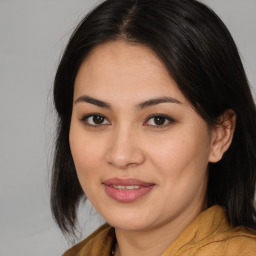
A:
x: 157, y: 239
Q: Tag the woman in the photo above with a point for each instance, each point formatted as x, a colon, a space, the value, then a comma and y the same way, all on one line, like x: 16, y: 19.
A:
x: 157, y: 129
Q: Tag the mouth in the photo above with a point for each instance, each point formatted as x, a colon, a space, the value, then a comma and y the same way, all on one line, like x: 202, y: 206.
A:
x: 125, y: 187
x: 126, y: 190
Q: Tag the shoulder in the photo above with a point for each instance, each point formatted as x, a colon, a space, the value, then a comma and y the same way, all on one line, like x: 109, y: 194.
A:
x: 219, y: 238
x: 98, y: 243
x: 211, y: 234
x: 236, y: 241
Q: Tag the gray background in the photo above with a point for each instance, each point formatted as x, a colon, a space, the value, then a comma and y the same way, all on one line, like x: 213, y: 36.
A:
x: 33, y: 34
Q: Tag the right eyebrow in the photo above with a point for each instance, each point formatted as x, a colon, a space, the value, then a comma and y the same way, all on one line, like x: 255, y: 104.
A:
x: 93, y: 101
x: 156, y: 101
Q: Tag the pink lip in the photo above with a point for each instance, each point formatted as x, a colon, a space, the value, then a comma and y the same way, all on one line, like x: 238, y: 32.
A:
x: 126, y: 196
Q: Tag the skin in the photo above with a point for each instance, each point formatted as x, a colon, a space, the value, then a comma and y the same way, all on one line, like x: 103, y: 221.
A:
x: 130, y: 144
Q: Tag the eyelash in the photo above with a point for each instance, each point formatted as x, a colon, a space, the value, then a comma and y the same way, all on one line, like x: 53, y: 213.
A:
x: 170, y: 120
x: 85, y: 118
x: 167, y: 118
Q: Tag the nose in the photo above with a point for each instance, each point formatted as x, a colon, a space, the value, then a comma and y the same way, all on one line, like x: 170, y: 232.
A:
x: 125, y: 149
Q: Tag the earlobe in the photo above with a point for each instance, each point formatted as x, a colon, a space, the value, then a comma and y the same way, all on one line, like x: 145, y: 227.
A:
x: 222, y: 135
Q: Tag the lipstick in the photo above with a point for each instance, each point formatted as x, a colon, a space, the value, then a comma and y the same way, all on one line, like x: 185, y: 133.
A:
x: 126, y: 190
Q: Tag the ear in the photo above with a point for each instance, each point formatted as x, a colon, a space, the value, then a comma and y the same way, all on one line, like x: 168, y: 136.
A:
x: 222, y: 135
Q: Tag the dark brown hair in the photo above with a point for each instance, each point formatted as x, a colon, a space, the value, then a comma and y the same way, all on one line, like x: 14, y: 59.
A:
x: 202, y: 58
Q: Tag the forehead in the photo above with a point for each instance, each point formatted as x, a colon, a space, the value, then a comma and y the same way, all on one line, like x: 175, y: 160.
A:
x: 125, y: 53
x: 125, y: 69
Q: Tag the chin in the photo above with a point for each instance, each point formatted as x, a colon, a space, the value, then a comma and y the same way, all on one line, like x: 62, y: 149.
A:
x: 134, y: 225
x: 129, y: 220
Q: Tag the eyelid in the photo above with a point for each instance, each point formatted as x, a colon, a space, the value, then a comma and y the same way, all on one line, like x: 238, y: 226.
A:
x: 168, y: 118
x: 87, y: 116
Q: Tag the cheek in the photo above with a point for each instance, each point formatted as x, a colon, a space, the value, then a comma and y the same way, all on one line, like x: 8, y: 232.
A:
x: 85, y: 156
x: 184, y: 153
x: 87, y: 152
x: 181, y: 163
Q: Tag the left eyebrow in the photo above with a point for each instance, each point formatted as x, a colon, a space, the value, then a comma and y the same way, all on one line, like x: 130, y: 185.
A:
x: 93, y: 101
x: 157, y: 101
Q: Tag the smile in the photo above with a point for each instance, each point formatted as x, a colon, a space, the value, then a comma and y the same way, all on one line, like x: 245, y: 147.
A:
x: 126, y: 187
x: 126, y: 190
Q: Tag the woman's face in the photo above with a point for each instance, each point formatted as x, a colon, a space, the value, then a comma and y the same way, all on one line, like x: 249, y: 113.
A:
x: 139, y: 148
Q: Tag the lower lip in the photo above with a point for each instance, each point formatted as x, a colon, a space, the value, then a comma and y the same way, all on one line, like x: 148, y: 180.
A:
x: 126, y: 196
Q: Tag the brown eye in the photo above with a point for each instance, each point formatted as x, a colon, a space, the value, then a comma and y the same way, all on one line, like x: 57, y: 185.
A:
x: 159, y: 121
x: 95, y: 120
x: 98, y: 119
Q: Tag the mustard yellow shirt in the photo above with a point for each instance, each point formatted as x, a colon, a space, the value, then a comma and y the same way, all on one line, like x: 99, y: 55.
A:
x: 208, y: 235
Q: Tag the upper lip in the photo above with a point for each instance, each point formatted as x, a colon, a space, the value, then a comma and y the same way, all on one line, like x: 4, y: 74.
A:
x: 127, y: 182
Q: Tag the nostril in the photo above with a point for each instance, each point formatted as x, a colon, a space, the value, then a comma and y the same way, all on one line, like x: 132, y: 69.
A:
x: 127, y: 160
